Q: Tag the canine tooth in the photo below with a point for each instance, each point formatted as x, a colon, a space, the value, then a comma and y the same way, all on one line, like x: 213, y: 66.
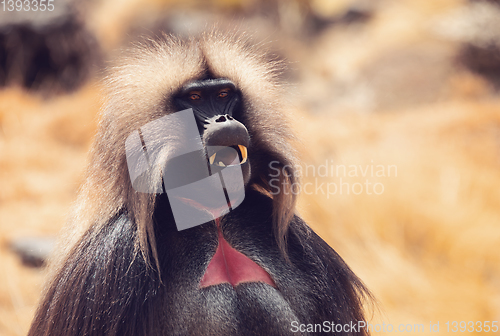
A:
x: 221, y: 164
x: 244, y: 153
x: 212, y: 158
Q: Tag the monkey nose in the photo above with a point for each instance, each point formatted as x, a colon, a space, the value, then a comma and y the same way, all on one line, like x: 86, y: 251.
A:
x: 224, y: 130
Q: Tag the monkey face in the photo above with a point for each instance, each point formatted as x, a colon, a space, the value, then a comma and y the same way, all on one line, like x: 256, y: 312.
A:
x: 224, y: 140
x: 202, y: 151
x: 215, y: 102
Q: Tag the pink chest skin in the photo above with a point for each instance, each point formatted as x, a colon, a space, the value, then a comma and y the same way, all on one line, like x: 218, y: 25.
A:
x: 231, y: 266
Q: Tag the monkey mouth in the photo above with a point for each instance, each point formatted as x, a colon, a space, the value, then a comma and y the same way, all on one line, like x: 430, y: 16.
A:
x: 231, y: 266
x: 228, y: 156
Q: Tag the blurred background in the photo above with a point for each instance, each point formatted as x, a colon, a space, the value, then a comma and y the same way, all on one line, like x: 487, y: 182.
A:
x: 404, y: 94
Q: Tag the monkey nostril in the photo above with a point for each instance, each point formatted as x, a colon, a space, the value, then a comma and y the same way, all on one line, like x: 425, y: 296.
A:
x: 220, y: 119
x: 229, y: 117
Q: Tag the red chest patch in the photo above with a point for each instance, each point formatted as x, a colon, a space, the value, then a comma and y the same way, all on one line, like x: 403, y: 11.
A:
x: 231, y: 266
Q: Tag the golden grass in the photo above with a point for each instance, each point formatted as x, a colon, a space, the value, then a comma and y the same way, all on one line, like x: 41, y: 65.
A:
x: 428, y: 245
x: 43, y: 147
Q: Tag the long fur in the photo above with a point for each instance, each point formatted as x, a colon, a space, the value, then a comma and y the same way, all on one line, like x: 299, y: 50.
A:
x: 108, y: 277
x: 147, y: 76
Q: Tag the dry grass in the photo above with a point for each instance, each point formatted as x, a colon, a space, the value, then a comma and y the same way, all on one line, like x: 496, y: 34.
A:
x: 43, y: 147
x: 428, y: 245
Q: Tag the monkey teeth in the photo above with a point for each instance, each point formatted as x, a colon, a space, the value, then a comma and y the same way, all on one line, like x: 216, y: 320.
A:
x: 244, y: 153
x: 243, y: 156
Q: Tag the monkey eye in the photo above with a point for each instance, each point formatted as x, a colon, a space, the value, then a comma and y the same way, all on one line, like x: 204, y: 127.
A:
x: 223, y: 93
x: 195, y: 95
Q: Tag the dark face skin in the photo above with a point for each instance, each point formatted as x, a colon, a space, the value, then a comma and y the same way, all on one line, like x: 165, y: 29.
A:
x: 209, y: 98
x: 216, y: 105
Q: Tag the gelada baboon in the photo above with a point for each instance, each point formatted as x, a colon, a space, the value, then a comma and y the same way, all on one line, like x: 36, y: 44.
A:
x: 256, y: 270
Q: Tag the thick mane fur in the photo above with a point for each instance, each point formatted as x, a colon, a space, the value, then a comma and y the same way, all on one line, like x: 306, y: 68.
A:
x: 147, y: 76
x: 125, y: 269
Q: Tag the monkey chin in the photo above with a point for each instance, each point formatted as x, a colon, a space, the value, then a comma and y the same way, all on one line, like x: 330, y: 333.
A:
x: 231, y: 266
